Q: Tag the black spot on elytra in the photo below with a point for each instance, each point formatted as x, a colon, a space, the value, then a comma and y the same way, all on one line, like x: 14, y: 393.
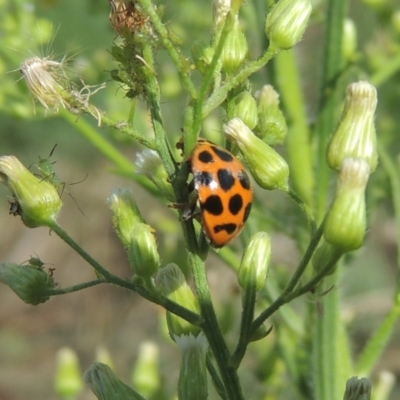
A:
x: 247, y: 212
x: 244, y: 180
x: 235, y: 204
x: 205, y: 157
x: 228, y: 228
x: 222, y: 154
x: 213, y: 205
x: 225, y: 179
x: 203, y: 178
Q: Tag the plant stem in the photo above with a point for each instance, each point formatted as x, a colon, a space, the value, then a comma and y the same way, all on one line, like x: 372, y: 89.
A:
x: 304, y: 207
x: 218, y: 385
x: 75, y: 288
x: 212, y: 331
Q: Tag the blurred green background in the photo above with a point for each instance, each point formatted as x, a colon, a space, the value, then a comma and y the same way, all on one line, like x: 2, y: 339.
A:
x: 107, y: 316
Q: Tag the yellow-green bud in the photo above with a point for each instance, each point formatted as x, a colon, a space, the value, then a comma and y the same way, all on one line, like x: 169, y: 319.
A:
x: 29, y: 283
x: 38, y: 202
x: 126, y: 214
x: 355, y: 137
x: 254, y: 266
x: 235, y: 49
x: 245, y: 107
x: 106, y: 386
x: 68, y: 379
x: 268, y: 168
x: 146, y: 374
x: 349, y: 40
x: 173, y: 285
x: 271, y: 126
x: 103, y: 356
x: 357, y: 389
x: 192, y: 383
x: 286, y: 22
x: 142, y: 250
x: 202, y: 55
x: 149, y: 164
x: 345, y: 224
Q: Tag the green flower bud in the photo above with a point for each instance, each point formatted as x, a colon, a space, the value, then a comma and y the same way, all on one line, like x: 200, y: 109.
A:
x: 68, y: 379
x: 202, y: 55
x: 245, y: 107
x: 221, y: 9
x: 349, y: 40
x: 106, y: 386
x: 355, y: 137
x: 29, y: 283
x: 268, y: 168
x: 345, y: 224
x: 103, y: 356
x: 145, y: 375
x: 286, y: 22
x: 173, y: 285
x: 254, y: 266
x: 260, y: 333
x: 357, y: 389
x: 142, y: 250
x: 235, y: 49
x: 149, y: 164
x: 126, y: 214
x: 271, y: 126
x: 38, y: 202
x: 192, y: 383
x: 396, y: 21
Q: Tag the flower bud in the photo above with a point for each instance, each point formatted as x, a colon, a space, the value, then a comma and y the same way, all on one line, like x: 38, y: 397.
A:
x: 355, y: 137
x: 345, y: 224
x: 235, y: 49
x: 202, y: 55
x: 126, y: 214
x: 68, y: 379
x: 245, y: 107
x: 145, y: 375
x: 396, y: 21
x: 103, y: 356
x: 349, y: 40
x: 173, y: 285
x: 221, y: 9
x: 254, y: 266
x: 29, y: 283
x: 142, y: 250
x: 286, y: 22
x: 357, y: 389
x: 268, y: 168
x: 149, y: 164
x: 192, y: 383
x: 38, y: 202
x: 105, y: 385
x: 271, y: 126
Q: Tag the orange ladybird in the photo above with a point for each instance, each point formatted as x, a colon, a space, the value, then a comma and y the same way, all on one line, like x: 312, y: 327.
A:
x: 224, y: 191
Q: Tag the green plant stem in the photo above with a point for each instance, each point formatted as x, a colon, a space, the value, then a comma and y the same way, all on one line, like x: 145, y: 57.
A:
x: 387, y: 70
x: 333, y: 64
x: 101, y: 144
x: 249, y: 301
x: 221, y: 93
x: 153, y: 296
x: 304, y: 207
x: 176, y: 56
x: 75, y: 288
x: 298, y: 142
x: 212, y: 331
x: 218, y: 385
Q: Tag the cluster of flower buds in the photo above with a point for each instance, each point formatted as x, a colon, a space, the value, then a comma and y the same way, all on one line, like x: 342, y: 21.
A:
x: 352, y: 152
x: 268, y: 168
x: 36, y: 200
x: 137, y: 237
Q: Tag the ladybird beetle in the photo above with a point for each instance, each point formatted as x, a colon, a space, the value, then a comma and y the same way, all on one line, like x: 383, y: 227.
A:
x: 224, y: 191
